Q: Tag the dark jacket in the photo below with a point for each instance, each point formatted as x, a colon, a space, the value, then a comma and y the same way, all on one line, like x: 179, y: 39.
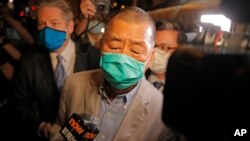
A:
x: 36, y: 96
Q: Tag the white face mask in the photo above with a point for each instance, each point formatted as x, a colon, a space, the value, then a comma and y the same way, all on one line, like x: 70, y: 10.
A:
x: 95, y: 26
x: 159, y: 65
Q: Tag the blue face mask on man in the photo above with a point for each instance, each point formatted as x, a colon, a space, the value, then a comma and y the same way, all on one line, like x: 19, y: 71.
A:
x: 121, y: 71
x: 51, y: 38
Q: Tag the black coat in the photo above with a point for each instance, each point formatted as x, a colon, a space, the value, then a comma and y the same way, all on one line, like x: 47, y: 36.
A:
x: 36, y: 96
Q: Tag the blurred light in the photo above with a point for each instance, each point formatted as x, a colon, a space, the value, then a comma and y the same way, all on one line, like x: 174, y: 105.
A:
x: 27, y: 9
x: 200, y: 28
x: 22, y: 14
x: 123, y: 6
x: 114, y: 4
x: 102, y: 30
x: 33, y: 8
x: 219, y: 20
x: 10, y: 1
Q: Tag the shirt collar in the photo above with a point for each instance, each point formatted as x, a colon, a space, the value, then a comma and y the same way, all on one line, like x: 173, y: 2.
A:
x: 128, y: 97
x: 66, y: 53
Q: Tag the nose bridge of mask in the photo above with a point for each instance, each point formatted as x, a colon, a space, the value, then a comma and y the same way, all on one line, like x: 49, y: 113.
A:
x: 50, y: 33
x: 160, y: 62
x: 52, y: 29
x: 120, y: 70
x: 52, y: 38
x: 122, y: 58
x: 160, y: 51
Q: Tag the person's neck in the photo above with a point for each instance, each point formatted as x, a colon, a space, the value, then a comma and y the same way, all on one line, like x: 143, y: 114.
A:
x: 160, y: 76
x: 113, y: 92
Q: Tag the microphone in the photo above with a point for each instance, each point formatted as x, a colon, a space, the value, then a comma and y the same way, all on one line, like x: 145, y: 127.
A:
x: 80, y: 128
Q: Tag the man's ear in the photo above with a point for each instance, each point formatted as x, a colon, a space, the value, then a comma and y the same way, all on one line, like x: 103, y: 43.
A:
x: 151, y: 59
x: 70, y: 28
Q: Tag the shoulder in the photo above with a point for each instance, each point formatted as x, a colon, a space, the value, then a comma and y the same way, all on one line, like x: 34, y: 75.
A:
x: 148, y: 90
x: 84, y: 78
x: 34, y: 58
x: 33, y: 53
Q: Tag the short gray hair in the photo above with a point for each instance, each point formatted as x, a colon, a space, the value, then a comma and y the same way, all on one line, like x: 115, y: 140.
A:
x: 133, y: 15
x: 61, y: 4
x: 165, y: 24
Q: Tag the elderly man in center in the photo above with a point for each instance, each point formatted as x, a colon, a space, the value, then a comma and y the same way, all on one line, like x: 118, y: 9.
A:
x: 128, y: 107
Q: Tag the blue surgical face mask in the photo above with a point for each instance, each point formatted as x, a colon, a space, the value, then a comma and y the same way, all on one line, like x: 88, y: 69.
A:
x: 51, y: 38
x: 121, y: 71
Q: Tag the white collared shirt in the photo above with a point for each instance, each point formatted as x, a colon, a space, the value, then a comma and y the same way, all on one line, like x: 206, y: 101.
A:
x: 68, y: 55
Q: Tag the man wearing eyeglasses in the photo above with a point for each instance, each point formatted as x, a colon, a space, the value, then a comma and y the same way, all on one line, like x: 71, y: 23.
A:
x: 166, y: 42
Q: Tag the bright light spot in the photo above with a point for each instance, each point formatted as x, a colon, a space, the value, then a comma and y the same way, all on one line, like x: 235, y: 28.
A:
x: 219, y: 20
x: 200, y: 28
x: 102, y: 30
x: 10, y: 1
x: 115, y: 4
x: 123, y: 6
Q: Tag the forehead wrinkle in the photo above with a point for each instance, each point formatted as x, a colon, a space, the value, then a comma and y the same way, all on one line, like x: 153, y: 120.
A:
x: 115, y: 37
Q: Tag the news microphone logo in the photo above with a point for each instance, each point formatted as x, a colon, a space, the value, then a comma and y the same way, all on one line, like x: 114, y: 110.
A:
x: 80, y: 128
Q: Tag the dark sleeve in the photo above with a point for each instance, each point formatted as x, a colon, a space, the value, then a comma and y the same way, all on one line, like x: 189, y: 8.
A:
x: 23, y: 106
x: 93, y: 57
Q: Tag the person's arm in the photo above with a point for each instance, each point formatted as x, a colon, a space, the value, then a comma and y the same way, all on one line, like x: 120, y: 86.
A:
x: 61, y: 116
x: 17, y: 26
x: 81, y: 26
x: 12, y: 51
x: 22, y: 97
x: 7, y: 69
x: 88, y: 11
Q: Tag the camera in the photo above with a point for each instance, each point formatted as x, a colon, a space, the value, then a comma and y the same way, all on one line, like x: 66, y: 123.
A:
x: 102, y: 7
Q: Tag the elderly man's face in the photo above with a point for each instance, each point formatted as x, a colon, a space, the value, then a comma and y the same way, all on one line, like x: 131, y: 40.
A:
x: 134, y: 40
x: 52, y: 17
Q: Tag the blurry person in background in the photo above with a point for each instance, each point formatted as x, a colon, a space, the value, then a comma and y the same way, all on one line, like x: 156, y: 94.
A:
x: 14, y: 28
x: 41, y: 72
x: 166, y: 42
x: 128, y: 106
x: 206, y: 97
x: 9, y: 57
x: 92, y: 23
x: 88, y: 33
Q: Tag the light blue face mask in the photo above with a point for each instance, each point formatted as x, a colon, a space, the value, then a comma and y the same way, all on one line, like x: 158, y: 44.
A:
x: 51, y: 38
x: 95, y: 26
x: 121, y: 71
x: 13, y: 36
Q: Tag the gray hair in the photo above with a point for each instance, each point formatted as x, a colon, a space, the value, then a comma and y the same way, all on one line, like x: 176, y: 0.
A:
x: 165, y: 24
x: 67, y: 12
x: 133, y: 15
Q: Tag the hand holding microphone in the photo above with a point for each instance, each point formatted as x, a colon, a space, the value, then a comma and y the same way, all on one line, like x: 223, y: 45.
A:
x: 80, y: 128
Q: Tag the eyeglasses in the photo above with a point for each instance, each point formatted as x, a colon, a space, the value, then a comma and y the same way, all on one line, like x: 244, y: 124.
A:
x: 164, y: 48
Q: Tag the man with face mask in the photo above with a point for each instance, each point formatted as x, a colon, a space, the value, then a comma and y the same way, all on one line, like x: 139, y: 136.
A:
x: 41, y: 74
x: 127, y: 105
x: 166, y: 41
